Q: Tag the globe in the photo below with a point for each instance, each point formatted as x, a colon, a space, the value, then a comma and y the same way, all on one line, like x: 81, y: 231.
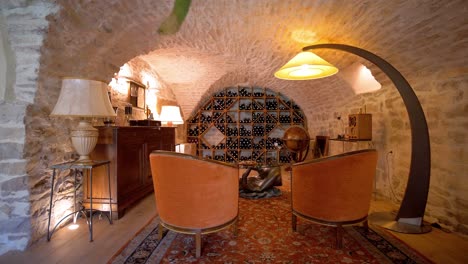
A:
x: 296, y: 139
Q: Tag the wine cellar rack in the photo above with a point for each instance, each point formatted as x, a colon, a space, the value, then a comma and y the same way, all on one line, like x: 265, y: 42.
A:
x: 244, y: 123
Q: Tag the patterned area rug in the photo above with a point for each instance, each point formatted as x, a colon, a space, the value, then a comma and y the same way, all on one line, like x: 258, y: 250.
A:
x: 265, y: 236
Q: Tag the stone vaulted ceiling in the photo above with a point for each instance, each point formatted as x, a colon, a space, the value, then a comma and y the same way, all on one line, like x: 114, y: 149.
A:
x: 228, y: 42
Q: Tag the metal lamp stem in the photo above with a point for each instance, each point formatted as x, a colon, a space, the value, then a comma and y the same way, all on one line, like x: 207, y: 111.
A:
x: 411, y: 212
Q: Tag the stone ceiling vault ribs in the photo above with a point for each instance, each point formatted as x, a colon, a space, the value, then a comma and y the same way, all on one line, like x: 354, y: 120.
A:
x: 245, y: 41
x: 220, y: 36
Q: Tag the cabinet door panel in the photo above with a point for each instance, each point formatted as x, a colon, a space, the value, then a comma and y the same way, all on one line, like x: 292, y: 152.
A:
x: 128, y: 149
x: 167, y: 139
x: 130, y: 160
x: 158, y: 139
x: 150, y: 147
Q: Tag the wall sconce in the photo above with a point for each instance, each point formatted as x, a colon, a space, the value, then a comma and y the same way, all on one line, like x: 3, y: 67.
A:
x: 410, y: 215
x: 171, y: 115
x: 84, y: 99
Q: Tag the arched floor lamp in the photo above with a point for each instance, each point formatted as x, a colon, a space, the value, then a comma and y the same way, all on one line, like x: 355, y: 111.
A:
x: 410, y: 215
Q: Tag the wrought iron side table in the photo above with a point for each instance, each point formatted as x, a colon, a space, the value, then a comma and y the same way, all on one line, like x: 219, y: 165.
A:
x: 79, y: 165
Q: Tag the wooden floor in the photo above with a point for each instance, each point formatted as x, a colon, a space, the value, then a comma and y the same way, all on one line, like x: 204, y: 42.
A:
x: 72, y: 246
x: 438, y: 245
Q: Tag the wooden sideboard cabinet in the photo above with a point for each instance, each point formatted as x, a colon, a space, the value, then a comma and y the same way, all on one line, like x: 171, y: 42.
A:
x: 128, y: 150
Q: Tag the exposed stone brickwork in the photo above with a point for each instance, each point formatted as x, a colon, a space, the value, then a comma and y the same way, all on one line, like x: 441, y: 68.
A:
x: 26, y: 27
x: 223, y: 43
x: 49, y: 143
x: 141, y: 72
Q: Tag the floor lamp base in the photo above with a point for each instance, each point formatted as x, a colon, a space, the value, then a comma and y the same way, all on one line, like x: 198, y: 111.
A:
x: 387, y: 220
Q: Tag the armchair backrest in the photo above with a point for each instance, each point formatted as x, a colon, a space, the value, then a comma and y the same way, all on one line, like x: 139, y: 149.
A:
x: 335, y: 188
x: 192, y: 192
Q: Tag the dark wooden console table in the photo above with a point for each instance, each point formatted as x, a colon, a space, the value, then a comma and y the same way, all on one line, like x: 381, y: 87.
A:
x: 128, y: 149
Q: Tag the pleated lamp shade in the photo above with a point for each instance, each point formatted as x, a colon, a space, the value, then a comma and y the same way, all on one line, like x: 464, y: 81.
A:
x: 85, y: 99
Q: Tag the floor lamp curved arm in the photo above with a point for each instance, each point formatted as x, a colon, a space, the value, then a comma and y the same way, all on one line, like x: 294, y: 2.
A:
x: 413, y: 205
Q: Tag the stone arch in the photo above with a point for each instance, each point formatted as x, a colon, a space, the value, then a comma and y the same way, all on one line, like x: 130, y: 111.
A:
x: 76, y: 46
x: 94, y: 38
x: 23, y: 30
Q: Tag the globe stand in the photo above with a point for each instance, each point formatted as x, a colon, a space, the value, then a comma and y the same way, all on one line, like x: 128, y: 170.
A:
x: 297, y: 141
x: 299, y: 156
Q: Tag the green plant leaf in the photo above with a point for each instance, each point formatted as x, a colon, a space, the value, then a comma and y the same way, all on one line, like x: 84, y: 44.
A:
x: 172, y: 23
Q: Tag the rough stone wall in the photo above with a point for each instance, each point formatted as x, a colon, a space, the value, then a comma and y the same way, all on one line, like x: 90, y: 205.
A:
x: 49, y: 144
x: 72, y: 49
x: 138, y: 70
x: 225, y: 43
x: 26, y: 26
x: 445, y: 105
x: 164, y: 95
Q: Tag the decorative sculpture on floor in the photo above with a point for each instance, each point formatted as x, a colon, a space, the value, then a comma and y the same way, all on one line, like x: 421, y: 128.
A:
x: 262, y: 185
x: 296, y: 139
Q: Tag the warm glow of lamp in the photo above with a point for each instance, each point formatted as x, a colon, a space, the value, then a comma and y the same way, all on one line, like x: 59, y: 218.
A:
x: 409, y: 218
x: 151, y: 99
x: 360, y: 78
x: 84, y: 99
x: 171, y: 115
x: 305, y: 66
x: 73, y: 226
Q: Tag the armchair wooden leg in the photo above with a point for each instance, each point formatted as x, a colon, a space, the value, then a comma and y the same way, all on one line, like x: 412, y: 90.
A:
x: 365, y: 224
x: 235, y: 226
x: 198, y: 243
x: 294, y: 222
x: 160, y: 231
x: 339, y: 236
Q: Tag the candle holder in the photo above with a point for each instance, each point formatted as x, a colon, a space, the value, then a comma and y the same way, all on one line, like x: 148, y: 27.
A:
x: 128, y: 113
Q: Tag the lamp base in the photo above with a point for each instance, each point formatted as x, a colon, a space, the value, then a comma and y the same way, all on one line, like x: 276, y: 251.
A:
x: 84, y: 139
x: 387, y: 220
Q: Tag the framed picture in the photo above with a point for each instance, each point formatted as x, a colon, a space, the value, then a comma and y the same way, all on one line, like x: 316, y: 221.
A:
x: 137, y: 95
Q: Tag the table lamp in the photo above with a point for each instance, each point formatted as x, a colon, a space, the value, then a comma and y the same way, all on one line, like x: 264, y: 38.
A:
x: 85, y: 99
x: 171, y: 115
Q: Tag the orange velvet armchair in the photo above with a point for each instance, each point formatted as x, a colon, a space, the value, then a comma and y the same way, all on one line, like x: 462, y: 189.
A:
x: 193, y: 195
x: 334, y: 190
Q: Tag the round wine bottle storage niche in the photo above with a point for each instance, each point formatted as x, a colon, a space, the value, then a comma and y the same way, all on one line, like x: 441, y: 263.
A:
x: 244, y: 123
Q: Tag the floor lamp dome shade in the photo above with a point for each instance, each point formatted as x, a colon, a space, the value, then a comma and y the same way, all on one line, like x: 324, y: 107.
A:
x: 84, y: 99
x: 305, y: 66
x: 410, y: 215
